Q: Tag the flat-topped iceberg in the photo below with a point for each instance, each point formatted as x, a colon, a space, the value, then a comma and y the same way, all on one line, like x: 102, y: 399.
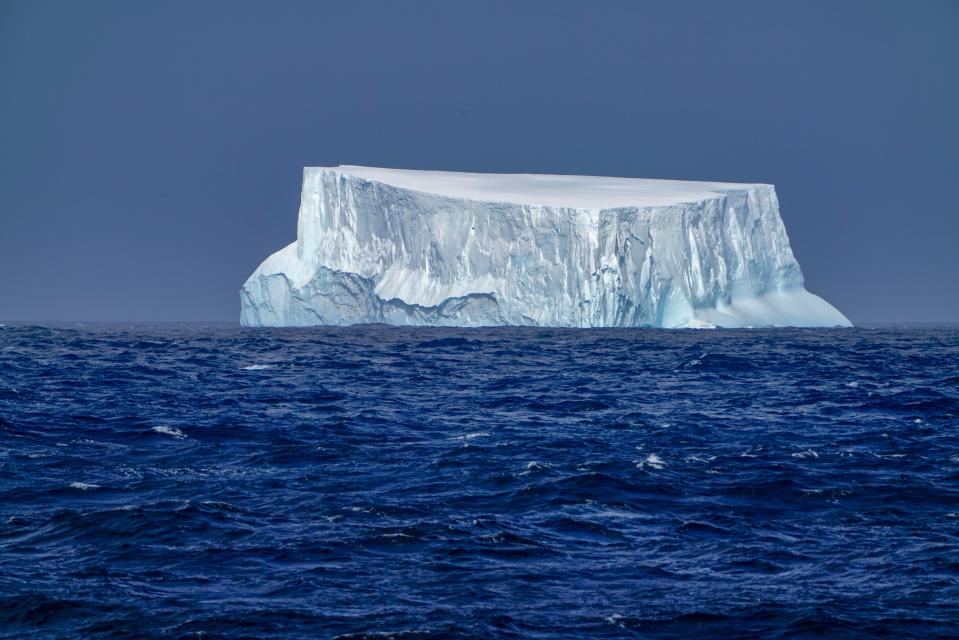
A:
x: 469, y: 249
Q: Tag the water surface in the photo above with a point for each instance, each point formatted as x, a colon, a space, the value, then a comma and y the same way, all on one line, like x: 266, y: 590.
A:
x: 190, y: 481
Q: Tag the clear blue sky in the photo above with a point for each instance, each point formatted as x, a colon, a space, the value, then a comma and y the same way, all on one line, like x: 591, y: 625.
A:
x: 151, y: 152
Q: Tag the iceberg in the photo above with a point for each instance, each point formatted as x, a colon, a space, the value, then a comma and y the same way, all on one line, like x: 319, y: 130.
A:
x: 409, y: 247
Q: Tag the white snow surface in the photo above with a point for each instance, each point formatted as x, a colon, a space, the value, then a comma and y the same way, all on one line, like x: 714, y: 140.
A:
x: 581, y: 192
x: 469, y: 249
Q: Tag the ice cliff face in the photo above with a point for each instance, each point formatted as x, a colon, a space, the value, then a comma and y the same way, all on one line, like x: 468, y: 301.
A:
x: 459, y: 249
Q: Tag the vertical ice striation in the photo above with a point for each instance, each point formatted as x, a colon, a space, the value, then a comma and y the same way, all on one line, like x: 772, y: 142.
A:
x: 442, y: 248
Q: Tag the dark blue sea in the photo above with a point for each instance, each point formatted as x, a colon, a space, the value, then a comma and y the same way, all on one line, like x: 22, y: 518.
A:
x: 190, y: 481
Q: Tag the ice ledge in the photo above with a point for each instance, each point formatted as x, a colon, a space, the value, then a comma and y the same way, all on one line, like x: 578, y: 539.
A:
x: 567, y: 191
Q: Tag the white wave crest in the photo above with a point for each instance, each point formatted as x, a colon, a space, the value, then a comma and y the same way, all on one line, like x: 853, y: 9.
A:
x: 470, y: 436
x: 169, y: 431
x: 84, y: 486
x: 533, y: 467
x: 652, y: 461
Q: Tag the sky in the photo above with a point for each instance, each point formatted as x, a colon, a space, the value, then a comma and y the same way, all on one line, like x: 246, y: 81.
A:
x: 151, y: 152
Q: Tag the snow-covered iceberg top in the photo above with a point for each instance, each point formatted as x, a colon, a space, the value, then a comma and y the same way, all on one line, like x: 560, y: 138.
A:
x: 472, y: 249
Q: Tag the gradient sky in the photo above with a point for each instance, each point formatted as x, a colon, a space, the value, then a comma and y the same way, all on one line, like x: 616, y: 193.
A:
x: 151, y: 152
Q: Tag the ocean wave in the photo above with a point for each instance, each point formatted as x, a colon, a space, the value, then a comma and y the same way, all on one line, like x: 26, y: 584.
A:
x: 483, y: 483
x: 84, y: 486
x: 173, y: 432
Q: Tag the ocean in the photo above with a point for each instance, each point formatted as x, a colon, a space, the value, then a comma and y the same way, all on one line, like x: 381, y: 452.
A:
x: 191, y: 481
